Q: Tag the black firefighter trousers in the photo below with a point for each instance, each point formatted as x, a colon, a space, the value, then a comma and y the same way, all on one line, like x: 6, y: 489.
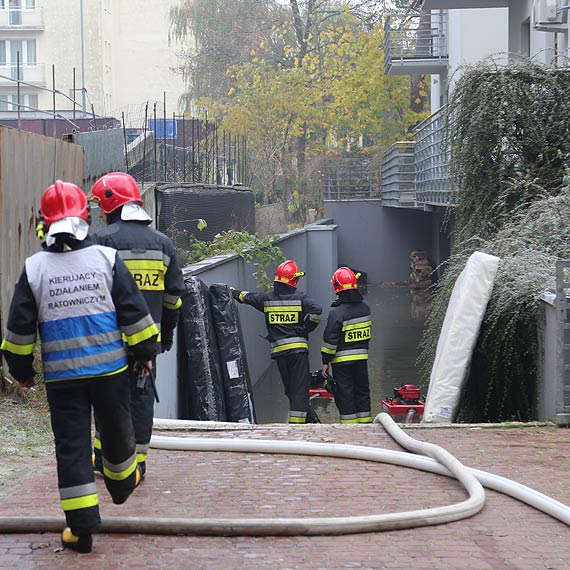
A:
x: 294, y: 371
x: 142, y: 414
x: 70, y: 406
x: 352, y: 395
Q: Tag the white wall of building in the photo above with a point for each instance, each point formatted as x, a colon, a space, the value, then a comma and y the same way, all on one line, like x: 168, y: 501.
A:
x: 59, y: 45
x: 143, y: 59
x: 474, y: 35
x: 523, y: 38
x: 127, y: 55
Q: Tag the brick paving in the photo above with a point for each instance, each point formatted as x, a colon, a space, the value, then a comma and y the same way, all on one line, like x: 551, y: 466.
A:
x: 506, y: 535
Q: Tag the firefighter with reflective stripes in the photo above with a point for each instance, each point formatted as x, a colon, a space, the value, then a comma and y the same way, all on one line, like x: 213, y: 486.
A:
x: 151, y: 259
x: 290, y: 315
x: 345, y: 347
x: 82, y: 299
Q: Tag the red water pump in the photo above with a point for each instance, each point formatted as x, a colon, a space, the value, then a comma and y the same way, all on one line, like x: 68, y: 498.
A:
x: 407, y: 394
x: 407, y: 404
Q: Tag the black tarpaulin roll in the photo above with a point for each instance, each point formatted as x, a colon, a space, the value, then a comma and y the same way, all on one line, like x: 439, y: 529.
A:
x: 200, y: 385
x: 235, y: 374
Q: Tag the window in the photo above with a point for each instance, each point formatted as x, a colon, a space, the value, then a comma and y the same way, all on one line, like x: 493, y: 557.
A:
x: 10, y: 102
x: 15, y: 9
x: 16, y: 46
x: 19, y: 4
x: 9, y: 52
x: 31, y: 52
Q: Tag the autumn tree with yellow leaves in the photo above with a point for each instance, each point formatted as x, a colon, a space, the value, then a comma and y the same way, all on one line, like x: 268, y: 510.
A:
x: 311, y: 83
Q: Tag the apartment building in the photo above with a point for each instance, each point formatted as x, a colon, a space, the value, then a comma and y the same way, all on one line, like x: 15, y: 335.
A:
x: 480, y: 28
x: 438, y: 38
x: 106, y: 54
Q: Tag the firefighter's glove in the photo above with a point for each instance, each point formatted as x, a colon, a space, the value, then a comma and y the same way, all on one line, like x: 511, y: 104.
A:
x: 329, y: 385
x: 236, y: 294
x: 166, y: 340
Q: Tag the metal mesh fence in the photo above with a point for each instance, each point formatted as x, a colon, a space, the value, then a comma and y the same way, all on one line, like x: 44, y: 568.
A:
x: 224, y: 208
x: 352, y: 178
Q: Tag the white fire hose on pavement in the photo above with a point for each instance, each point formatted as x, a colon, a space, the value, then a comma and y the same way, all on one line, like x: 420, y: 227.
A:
x: 440, y: 462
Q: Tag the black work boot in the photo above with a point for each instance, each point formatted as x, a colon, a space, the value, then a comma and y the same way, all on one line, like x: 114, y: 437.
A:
x: 142, y: 469
x: 83, y: 543
x: 138, y: 480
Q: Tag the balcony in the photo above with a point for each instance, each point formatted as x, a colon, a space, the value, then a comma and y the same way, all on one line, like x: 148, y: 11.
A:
x: 28, y: 73
x: 398, y: 175
x: 22, y: 19
x: 416, y: 45
x: 416, y: 174
x: 463, y: 4
x: 433, y: 184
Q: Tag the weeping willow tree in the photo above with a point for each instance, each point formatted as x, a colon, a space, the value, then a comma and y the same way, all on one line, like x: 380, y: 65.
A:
x: 509, y: 142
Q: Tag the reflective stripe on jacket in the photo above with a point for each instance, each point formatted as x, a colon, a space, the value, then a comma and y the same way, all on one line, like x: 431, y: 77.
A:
x: 289, y: 319
x: 82, y: 301
x: 151, y: 259
x: 347, y: 334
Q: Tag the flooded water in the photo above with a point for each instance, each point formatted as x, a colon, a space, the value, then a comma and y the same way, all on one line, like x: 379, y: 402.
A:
x: 398, y: 316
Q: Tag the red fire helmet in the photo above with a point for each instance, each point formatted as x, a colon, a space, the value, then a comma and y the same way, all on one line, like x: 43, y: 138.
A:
x: 344, y: 278
x: 288, y: 272
x: 115, y: 189
x: 63, y: 200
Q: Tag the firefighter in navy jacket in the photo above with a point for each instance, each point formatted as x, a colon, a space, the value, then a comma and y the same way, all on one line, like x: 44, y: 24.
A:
x: 151, y: 259
x: 290, y: 315
x: 83, y: 301
x: 345, y: 346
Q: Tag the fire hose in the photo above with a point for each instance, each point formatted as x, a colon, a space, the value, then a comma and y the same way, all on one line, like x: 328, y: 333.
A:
x: 439, y: 462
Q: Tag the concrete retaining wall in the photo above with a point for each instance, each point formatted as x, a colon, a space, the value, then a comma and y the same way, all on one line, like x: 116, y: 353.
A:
x: 314, y: 248
x: 379, y: 240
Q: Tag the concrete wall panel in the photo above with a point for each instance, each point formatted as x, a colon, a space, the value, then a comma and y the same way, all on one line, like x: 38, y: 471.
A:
x: 314, y: 250
x: 379, y: 240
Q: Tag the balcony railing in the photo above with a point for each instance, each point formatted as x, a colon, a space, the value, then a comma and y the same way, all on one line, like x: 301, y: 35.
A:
x: 22, y: 19
x: 27, y: 73
x: 433, y: 184
x: 354, y: 178
x: 398, y: 176
x: 416, y: 45
x: 416, y: 174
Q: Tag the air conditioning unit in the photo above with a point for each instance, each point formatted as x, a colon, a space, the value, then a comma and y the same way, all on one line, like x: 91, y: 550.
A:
x: 549, y: 15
